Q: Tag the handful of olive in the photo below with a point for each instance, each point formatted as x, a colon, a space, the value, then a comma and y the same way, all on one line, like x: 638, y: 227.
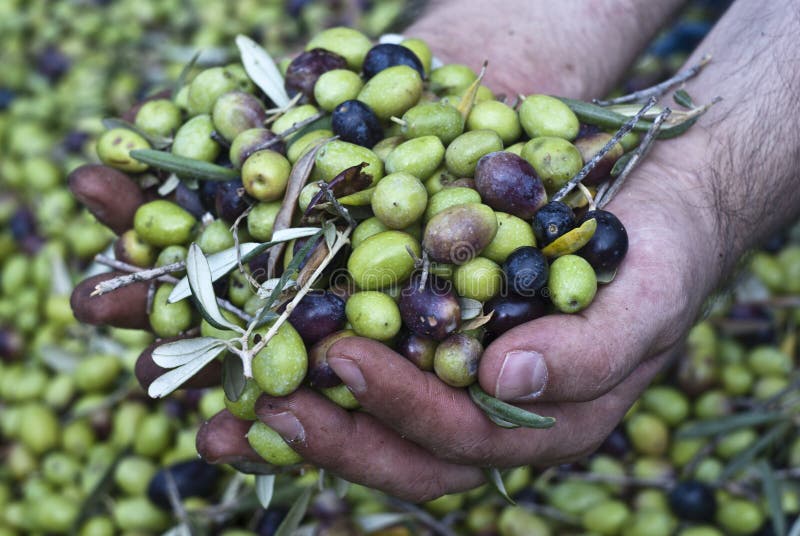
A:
x: 445, y: 216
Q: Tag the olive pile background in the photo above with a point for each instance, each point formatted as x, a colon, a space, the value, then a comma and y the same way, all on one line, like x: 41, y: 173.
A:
x: 77, y: 432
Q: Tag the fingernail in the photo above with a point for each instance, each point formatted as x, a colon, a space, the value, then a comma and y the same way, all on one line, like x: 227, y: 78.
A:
x: 286, y: 425
x: 350, y: 374
x: 522, y: 377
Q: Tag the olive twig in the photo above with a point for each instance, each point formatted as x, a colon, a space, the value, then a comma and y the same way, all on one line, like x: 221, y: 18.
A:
x: 426, y: 266
x: 608, y: 193
x: 590, y: 165
x: 161, y: 273
x: 175, y: 502
x: 658, y: 90
x: 338, y: 207
x: 588, y: 195
x: 235, y: 232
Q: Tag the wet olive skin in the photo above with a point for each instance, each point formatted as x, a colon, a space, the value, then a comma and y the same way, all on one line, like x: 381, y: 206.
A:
x: 608, y: 246
x: 355, y: 122
x: 317, y: 315
x: 387, y: 55
x: 509, y: 184
x: 433, y: 311
x: 511, y: 311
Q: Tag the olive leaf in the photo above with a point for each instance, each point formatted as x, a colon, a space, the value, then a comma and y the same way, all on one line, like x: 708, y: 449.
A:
x: 265, y: 486
x: 606, y: 277
x: 181, y: 81
x: 295, y: 514
x: 169, y: 185
x: 340, y: 486
x: 262, y: 70
x: 571, y: 241
x: 168, y: 382
x: 477, y: 322
x: 494, y: 478
x: 233, y: 380
x: 772, y: 493
x: 470, y: 308
x: 159, y: 142
x: 620, y: 164
x: 374, y: 522
x: 181, y: 529
x: 178, y: 353
x: 795, y: 530
x: 506, y: 412
x: 198, y: 273
x: 747, y: 456
x: 185, y: 167
x: 728, y: 424
x: 683, y: 98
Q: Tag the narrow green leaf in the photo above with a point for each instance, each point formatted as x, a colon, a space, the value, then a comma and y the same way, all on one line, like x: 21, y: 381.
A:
x: 295, y: 514
x: 168, y: 382
x: 198, y: 273
x: 182, y: 166
x: 683, y: 98
x: 288, y: 273
x: 620, y: 164
x: 159, y: 142
x: 374, y: 522
x: 262, y: 70
x: 605, y: 118
x: 772, y: 493
x: 746, y: 457
x: 233, y: 380
x: 495, y: 479
x: 506, y: 412
x: 728, y: 424
x: 178, y: 353
x: 181, y: 81
x: 265, y: 486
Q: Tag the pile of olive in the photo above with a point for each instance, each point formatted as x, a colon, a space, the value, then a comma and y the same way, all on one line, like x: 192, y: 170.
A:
x: 454, y: 242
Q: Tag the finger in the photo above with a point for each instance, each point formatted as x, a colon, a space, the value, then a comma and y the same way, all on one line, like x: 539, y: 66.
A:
x: 360, y: 449
x: 223, y: 439
x: 147, y: 371
x: 124, y: 308
x: 580, y: 357
x: 108, y: 194
x: 446, y: 422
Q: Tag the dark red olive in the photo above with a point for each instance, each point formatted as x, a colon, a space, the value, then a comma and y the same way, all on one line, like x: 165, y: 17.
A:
x: 305, y: 69
x: 317, y: 315
x: 433, y: 311
x: 417, y: 349
x: 609, y: 244
x: 511, y: 311
x: 231, y: 200
x: 387, y: 55
x: 320, y: 374
x: 508, y: 183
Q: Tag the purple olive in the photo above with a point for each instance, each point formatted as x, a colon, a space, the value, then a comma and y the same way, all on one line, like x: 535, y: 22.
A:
x: 417, y: 349
x: 320, y: 374
x: 304, y: 71
x: 317, y: 315
x: 433, y: 311
x: 231, y: 200
x: 508, y: 183
x: 511, y: 311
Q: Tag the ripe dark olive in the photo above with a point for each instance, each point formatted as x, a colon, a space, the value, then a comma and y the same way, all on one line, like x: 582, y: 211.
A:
x: 231, y: 200
x: 417, y: 349
x: 208, y: 194
x: 73, y: 142
x: 511, y: 311
x: 320, y: 374
x: 189, y: 200
x: 355, y: 122
x: 194, y: 478
x: 693, y: 501
x: 748, y: 316
x: 52, y: 63
x: 305, y: 69
x: 551, y: 221
x: 387, y: 55
x: 22, y: 224
x: 526, y: 271
x: 606, y: 249
x: 7, y: 96
x: 317, y: 315
x: 11, y: 345
x: 432, y: 312
x: 508, y: 183
x: 616, y: 444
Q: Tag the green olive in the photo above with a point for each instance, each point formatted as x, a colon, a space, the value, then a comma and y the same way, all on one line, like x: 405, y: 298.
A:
x: 279, y: 368
x: 304, y: 143
x: 463, y: 153
x: 207, y: 87
x: 249, y: 141
x: 261, y: 220
x: 450, y: 197
x: 668, y: 403
x: 383, y: 260
x: 737, y: 379
x: 153, y: 435
x: 512, y: 233
x: 739, y: 516
x: 456, y: 358
x: 572, y: 283
x: 735, y: 442
x: 518, y: 521
x: 265, y: 175
x: 115, y: 145
x: 420, y: 49
x: 237, y: 111
x: 418, y: 156
x: 479, y: 279
x: 60, y: 469
x: 338, y: 155
x: 574, y: 497
x: 292, y: 117
x: 769, y: 360
x: 139, y: 514
x: 451, y: 78
x: 433, y: 119
x: 133, y: 473
x: 245, y: 406
x: 392, y: 91
x: 97, y: 372
x: 351, y: 44
x: 459, y: 233
x: 336, y: 86
x: 169, y: 319
x: 271, y: 446
x: 497, y: 116
x: 542, y: 115
x: 373, y: 314
x: 193, y: 140
x: 97, y: 526
x: 384, y: 147
x: 341, y: 396
x: 399, y: 200
x: 162, y: 223
x: 648, y: 434
x: 160, y: 117
x: 555, y: 160
x: 607, y: 517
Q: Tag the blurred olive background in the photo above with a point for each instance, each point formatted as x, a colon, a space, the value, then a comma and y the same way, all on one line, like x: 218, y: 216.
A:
x: 712, y: 448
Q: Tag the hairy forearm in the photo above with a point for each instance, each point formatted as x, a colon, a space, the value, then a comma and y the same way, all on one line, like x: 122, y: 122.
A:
x: 741, y: 159
x: 577, y: 48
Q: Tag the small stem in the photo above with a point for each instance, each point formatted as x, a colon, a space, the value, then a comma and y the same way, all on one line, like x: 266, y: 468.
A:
x: 638, y: 154
x: 590, y: 165
x: 659, y: 89
x: 343, y: 212
x: 426, y: 266
x: 136, y: 276
x: 235, y: 233
x: 588, y: 195
x: 399, y: 121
